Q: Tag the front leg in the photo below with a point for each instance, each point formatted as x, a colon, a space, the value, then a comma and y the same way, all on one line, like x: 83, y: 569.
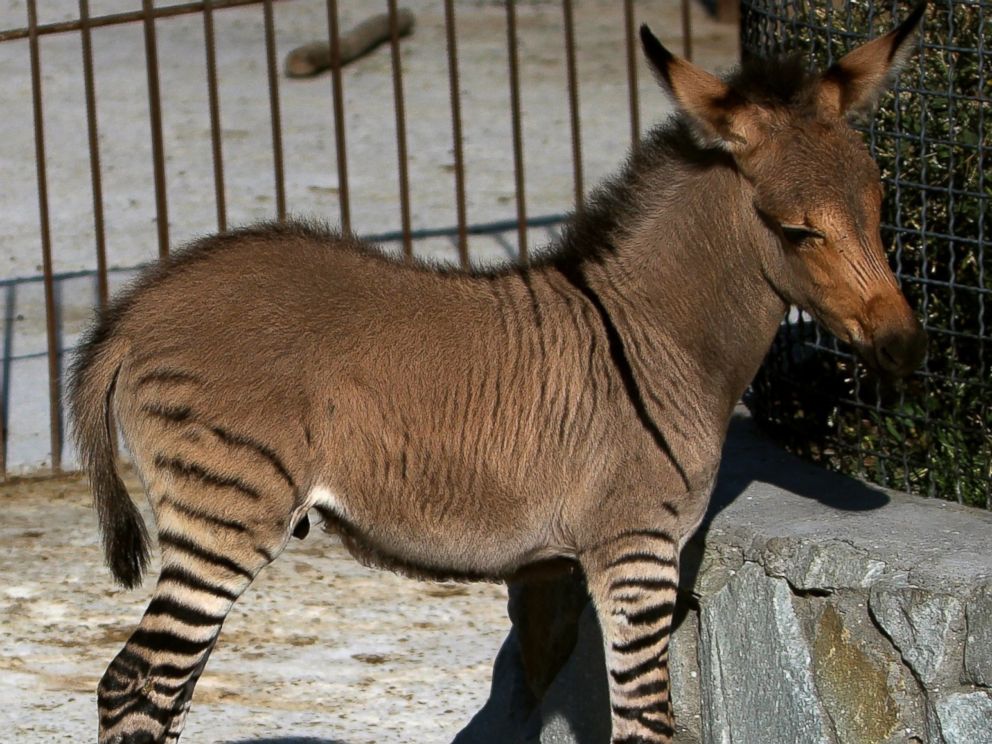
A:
x: 633, y: 581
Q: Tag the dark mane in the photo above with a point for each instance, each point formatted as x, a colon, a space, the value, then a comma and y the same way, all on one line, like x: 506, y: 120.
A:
x: 590, y: 234
x: 782, y: 82
x: 779, y: 83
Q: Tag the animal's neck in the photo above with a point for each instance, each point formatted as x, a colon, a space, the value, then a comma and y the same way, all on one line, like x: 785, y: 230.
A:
x: 684, y: 288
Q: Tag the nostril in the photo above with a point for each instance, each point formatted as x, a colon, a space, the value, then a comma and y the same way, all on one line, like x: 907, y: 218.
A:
x: 901, y: 353
x: 889, y: 352
x: 888, y: 359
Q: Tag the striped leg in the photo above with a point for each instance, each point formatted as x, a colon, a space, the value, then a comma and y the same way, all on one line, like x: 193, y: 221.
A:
x: 145, y: 693
x: 633, y: 582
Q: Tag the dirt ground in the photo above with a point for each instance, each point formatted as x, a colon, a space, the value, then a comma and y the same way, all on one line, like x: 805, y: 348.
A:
x: 320, y: 650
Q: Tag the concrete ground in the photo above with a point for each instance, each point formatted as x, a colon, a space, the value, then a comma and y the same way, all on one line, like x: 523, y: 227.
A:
x: 308, y: 145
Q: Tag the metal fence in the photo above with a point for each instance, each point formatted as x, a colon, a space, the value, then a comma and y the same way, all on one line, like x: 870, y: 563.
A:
x: 27, y: 42
x: 932, y: 140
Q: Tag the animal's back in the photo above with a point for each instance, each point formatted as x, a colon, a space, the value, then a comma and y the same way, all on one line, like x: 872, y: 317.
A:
x: 269, y: 318
x: 290, y: 296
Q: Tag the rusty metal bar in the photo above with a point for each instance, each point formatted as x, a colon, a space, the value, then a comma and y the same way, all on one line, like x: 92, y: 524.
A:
x: 394, y: 44
x: 94, y: 143
x: 215, y: 130
x: 95, y: 176
x: 515, y: 118
x: 573, y: 103
x: 6, y: 354
x: 337, y: 95
x: 113, y: 19
x: 155, y: 116
x: 54, y: 397
x: 456, y: 127
x: 635, y: 113
x: 270, y: 54
x: 686, y: 30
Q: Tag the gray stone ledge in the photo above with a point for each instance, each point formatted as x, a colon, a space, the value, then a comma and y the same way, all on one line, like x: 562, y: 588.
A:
x: 978, y: 643
x: 816, y: 608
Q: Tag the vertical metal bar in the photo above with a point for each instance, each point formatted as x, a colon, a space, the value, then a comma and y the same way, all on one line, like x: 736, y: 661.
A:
x: 635, y: 113
x: 270, y: 55
x: 573, y: 103
x: 515, y: 117
x: 983, y: 170
x: 155, y: 116
x: 950, y: 162
x: 456, y: 126
x: 5, y: 355
x: 94, y: 143
x: 394, y: 44
x: 54, y: 398
x: 215, y: 130
x: 686, y: 30
x: 337, y: 93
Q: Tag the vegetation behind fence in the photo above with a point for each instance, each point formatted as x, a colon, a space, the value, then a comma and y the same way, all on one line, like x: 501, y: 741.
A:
x: 934, y: 435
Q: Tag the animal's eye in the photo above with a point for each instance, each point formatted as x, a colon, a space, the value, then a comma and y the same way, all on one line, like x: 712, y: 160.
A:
x: 800, y: 234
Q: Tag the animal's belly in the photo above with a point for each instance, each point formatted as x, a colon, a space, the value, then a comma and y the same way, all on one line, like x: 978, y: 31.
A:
x: 454, y: 537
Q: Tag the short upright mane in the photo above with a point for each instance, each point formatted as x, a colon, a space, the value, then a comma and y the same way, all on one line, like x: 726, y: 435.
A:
x: 775, y: 83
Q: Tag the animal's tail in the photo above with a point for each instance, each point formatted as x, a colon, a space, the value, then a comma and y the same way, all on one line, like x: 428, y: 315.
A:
x: 92, y: 380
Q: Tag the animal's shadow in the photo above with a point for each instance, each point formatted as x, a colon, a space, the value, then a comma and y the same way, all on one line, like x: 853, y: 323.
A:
x: 750, y: 457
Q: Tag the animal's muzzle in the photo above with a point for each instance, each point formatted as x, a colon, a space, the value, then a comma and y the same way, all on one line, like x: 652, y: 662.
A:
x: 899, y: 351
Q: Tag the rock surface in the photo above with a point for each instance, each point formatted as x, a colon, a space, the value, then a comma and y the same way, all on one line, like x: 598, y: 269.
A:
x: 966, y: 718
x: 851, y: 680
x: 978, y: 646
x: 828, y: 565
x: 754, y: 659
x: 919, y: 622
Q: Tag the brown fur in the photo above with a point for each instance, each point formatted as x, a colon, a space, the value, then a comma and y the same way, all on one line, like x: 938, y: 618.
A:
x: 476, y: 424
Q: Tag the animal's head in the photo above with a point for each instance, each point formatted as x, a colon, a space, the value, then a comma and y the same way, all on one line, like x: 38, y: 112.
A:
x: 816, y: 188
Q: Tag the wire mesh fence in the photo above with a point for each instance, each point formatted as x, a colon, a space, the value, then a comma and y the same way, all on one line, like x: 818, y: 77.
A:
x: 932, y: 436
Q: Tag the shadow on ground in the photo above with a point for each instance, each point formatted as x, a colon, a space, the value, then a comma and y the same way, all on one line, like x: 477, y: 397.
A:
x: 749, y: 456
x: 287, y: 740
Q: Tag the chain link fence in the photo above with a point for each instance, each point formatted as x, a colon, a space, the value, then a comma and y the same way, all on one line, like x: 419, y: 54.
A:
x: 933, y: 435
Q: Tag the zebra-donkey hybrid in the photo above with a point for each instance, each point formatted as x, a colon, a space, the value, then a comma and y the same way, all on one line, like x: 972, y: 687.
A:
x: 472, y: 424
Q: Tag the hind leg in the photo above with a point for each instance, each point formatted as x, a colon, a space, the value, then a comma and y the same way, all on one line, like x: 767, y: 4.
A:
x: 145, y: 693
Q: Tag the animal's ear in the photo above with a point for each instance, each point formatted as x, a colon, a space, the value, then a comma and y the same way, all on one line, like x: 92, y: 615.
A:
x: 853, y: 84
x: 719, y: 117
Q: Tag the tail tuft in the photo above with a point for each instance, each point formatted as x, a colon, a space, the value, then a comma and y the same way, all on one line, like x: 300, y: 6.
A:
x: 125, y: 539
x: 92, y: 381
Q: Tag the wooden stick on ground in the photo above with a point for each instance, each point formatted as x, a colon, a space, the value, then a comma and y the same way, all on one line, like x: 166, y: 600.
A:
x: 311, y: 59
